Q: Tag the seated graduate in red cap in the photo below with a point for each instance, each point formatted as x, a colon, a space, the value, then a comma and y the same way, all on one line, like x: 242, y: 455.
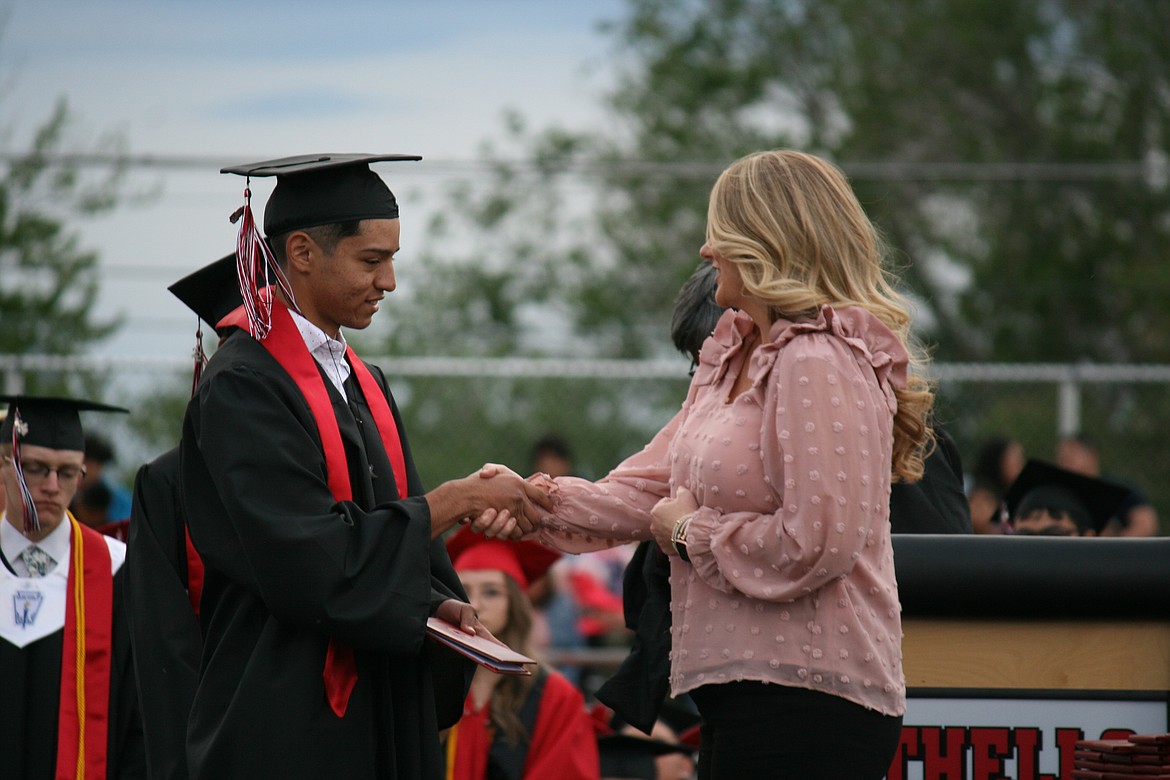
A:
x: 515, y: 727
x: 68, y: 707
x: 319, y: 542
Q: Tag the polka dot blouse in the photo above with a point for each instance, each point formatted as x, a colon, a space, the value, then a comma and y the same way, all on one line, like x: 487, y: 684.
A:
x: 791, y: 579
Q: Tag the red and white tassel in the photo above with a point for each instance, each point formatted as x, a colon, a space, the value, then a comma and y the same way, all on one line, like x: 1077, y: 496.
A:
x: 200, y: 358
x: 255, y: 262
x: 32, y: 521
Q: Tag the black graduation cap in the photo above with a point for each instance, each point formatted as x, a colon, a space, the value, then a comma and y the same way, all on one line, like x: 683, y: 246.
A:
x: 212, y: 292
x: 323, y: 189
x: 49, y: 422
x: 1089, y: 501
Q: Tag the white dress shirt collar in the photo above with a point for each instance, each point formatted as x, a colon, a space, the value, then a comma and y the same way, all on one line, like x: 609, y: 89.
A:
x: 56, y: 544
x: 328, y: 352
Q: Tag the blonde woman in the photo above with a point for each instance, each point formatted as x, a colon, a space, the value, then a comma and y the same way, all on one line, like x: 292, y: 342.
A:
x: 769, y: 490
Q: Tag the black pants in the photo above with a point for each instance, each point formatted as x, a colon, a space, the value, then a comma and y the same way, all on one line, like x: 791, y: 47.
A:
x: 754, y: 730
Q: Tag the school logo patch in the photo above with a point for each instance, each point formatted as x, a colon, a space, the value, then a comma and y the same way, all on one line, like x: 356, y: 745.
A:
x: 26, y: 604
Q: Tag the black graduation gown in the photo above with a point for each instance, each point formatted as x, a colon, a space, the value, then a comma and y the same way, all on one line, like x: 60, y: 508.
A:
x: 286, y: 567
x: 937, y: 503
x: 30, y: 699
x: 163, y: 627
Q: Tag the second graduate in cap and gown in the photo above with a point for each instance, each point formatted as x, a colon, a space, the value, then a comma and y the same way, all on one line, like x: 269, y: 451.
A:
x: 68, y: 707
x: 305, y: 507
x: 164, y: 574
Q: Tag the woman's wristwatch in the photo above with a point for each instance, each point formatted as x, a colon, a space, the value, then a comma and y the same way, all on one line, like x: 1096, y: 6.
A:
x: 678, y: 536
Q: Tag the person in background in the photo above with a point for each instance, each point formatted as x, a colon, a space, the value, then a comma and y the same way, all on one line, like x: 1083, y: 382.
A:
x: 552, y: 455
x: 68, y: 705
x: 1136, y: 516
x: 627, y: 754
x: 321, y: 548
x: 769, y: 490
x: 997, y: 464
x: 99, y: 459
x: 1046, y: 500
x: 514, y: 727
x: 935, y: 504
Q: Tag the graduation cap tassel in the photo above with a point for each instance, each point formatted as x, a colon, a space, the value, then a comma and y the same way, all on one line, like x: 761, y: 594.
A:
x: 253, y: 255
x: 32, y: 521
x: 255, y: 261
x: 200, y: 357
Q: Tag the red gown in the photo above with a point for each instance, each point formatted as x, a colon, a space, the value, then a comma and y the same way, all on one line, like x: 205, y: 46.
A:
x: 563, y: 743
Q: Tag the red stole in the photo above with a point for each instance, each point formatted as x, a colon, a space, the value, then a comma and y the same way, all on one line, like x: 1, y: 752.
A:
x: 84, y: 714
x: 194, y: 571
x: 469, y: 742
x: 284, y: 342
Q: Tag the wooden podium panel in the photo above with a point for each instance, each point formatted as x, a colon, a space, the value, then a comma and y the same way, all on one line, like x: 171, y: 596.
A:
x: 1083, y: 654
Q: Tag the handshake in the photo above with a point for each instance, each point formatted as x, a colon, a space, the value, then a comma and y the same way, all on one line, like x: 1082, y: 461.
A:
x: 494, y: 501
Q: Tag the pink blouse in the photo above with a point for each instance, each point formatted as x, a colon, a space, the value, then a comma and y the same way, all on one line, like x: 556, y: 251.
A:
x: 791, y: 579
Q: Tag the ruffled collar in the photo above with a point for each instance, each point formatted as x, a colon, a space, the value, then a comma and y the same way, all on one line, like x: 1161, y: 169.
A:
x: 861, y: 330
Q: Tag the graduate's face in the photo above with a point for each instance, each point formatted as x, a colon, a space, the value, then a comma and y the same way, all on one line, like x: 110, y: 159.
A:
x: 345, y: 287
x: 1042, y: 522
x: 487, y: 591
x: 50, y: 493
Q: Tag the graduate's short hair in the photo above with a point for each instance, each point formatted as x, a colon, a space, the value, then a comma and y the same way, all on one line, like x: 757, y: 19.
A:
x: 326, y: 236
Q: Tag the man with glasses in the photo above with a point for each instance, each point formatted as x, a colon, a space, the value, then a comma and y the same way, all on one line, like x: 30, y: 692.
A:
x: 68, y: 706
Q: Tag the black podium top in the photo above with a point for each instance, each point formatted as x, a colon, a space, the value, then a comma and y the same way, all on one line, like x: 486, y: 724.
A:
x: 963, y: 576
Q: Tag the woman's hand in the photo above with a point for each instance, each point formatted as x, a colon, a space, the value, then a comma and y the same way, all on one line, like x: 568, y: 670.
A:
x: 666, y: 513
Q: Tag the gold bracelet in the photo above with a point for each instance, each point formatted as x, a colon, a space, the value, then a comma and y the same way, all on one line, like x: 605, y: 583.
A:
x: 678, y: 536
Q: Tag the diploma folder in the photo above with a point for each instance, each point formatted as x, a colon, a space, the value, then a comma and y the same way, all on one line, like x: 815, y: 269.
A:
x: 500, y: 658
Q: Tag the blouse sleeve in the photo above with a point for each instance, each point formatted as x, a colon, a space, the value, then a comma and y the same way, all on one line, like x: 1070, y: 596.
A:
x: 615, y: 509
x: 827, y: 435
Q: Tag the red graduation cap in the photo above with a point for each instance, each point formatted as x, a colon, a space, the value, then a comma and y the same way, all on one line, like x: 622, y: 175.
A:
x: 524, y: 562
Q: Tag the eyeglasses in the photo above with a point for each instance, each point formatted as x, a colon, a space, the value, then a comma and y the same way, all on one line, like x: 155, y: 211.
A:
x: 36, y: 472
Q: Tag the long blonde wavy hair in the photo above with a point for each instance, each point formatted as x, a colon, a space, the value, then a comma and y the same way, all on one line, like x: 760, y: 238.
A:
x: 800, y: 239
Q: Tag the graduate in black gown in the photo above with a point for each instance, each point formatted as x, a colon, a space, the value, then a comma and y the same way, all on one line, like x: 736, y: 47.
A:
x: 68, y: 706
x: 163, y: 573
x: 319, y: 542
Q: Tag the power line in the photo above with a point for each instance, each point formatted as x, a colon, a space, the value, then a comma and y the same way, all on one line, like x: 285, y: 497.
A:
x: 959, y: 171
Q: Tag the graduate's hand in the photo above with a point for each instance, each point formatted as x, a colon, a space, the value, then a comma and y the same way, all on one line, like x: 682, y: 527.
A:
x: 666, y: 513
x: 495, y: 499
x: 460, y: 613
x: 525, y: 502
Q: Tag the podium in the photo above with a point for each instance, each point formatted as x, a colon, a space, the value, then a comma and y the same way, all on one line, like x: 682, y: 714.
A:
x: 1015, y: 647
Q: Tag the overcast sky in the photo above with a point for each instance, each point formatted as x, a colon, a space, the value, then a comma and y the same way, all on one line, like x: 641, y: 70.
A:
x: 245, y: 80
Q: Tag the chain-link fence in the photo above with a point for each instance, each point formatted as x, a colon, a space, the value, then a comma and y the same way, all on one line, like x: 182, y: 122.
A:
x: 462, y: 412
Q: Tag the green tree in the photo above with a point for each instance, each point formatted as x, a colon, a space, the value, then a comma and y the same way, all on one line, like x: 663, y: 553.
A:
x: 1013, y: 151
x: 48, y: 282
